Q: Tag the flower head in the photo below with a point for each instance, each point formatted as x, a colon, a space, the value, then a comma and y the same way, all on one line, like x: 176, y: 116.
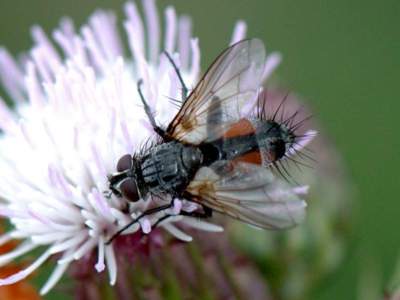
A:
x: 76, y: 112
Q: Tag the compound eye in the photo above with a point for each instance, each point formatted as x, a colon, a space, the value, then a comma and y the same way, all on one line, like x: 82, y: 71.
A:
x: 124, y: 163
x: 129, y: 190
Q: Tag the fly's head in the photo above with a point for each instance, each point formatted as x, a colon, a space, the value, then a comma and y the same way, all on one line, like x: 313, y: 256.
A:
x: 124, y: 182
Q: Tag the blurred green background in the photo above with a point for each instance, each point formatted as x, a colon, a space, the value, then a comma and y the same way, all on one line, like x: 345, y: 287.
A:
x: 342, y: 56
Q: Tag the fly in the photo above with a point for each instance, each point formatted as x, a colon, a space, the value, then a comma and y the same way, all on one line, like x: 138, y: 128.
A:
x: 211, y: 155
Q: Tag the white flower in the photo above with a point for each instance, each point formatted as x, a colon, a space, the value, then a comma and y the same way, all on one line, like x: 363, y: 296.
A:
x: 75, y: 114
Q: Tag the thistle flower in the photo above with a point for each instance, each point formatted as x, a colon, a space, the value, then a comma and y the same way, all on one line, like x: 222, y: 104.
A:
x: 75, y: 113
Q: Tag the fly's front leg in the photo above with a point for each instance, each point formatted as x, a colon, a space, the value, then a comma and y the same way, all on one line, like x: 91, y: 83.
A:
x: 161, y: 132
x: 185, y: 90
x: 143, y: 214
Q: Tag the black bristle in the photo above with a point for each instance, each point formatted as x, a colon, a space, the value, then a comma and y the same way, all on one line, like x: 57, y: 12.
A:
x: 281, y: 117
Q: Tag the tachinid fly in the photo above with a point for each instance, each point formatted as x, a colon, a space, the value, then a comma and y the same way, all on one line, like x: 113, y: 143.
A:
x: 213, y: 156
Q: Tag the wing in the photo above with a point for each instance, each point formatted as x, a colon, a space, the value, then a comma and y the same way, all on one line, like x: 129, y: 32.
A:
x: 218, y: 98
x: 249, y: 193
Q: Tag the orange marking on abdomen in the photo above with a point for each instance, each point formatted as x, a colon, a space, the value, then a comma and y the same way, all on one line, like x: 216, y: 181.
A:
x: 253, y: 157
x: 242, y: 127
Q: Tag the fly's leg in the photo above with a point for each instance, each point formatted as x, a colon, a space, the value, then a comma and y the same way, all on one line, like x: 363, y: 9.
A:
x: 143, y: 214
x: 178, y: 73
x: 162, y: 219
x: 161, y: 132
x: 207, y: 213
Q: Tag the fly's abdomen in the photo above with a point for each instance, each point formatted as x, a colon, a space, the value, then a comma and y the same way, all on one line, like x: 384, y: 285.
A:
x: 254, y: 141
x: 169, y: 167
x: 240, y: 143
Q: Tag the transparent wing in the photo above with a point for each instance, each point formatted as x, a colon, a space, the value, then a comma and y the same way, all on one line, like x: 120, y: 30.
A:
x: 218, y: 98
x: 249, y: 193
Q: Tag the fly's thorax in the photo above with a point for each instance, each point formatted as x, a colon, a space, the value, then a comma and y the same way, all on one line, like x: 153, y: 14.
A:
x: 169, y: 167
x: 192, y: 158
x: 274, y: 139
